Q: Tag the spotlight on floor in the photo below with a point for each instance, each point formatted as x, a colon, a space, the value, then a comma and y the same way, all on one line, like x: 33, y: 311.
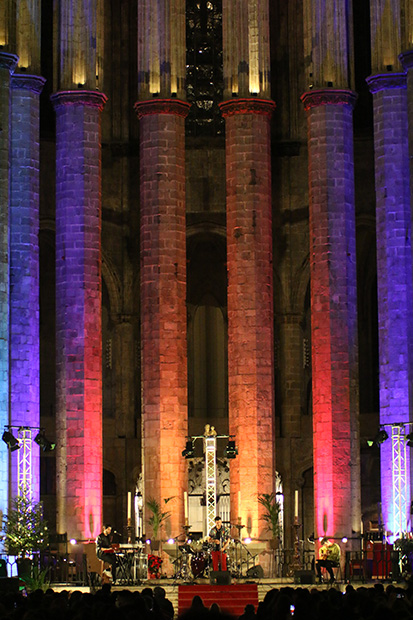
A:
x: 43, y: 442
x: 189, y: 451
x: 230, y: 451
x: 11, y: 441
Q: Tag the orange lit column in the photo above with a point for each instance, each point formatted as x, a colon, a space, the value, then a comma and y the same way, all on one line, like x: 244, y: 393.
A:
x: 78, y: 312
x: 163, y: 302
x: 250, y: 304
x: 333, y: 311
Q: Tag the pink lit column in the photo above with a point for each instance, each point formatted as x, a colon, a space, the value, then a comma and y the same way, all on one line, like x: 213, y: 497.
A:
x: 333, y: 312
x: 394, y: 276
x: 163, y: 302
x: 78, y: 312
x: 24, y: 265
x: 250, y: 305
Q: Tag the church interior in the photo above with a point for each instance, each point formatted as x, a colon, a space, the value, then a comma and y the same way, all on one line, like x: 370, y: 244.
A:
x: 206, y: 223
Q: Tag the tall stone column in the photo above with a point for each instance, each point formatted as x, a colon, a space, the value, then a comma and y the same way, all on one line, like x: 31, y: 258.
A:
x: 78, y: 312
x: 333, y: 312
x: 78, y: 105
x: 394, y: 251
x: 161, y: 110
x: 247, y: 110
x: 24, y: 265
x: 329, y: 107
x: 8, y: 63
x: 406, y: 59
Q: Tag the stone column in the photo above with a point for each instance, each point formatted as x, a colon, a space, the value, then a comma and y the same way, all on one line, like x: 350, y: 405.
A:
x: 333, y: 312
x: 8, y: 63
x: 250, y: 305
x: 163, y: 302
x: 24, y: 264
x: 406, y: 58
x: 78, y: 312
x: 394, y: 277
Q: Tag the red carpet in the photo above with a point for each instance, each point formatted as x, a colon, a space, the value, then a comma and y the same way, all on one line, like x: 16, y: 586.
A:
x: 231, y: 598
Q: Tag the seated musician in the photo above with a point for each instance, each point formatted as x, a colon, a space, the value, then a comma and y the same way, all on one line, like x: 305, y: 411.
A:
x: 329, y: 558
x: 104, y: 549
x: 219, y: 539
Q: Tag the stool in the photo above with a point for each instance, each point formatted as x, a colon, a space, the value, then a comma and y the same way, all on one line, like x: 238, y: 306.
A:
x: 103, y: 566
x: 337, y: 572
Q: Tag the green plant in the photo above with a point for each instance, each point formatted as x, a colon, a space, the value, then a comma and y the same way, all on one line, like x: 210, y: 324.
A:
x: 38, y: 580
x: 158, y: 516
x: 24, y: 528
x: 272, y: 513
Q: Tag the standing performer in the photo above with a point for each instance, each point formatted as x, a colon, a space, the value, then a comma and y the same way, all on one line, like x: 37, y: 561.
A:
x: 104, y: 549
x: 219, y: 539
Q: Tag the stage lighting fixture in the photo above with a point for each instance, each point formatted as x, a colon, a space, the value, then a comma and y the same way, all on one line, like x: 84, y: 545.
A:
x: 43, y: 442
x: 230, y: 451
x: 189, y: 451
x: 379, y: 439
x: 409, y: 439
x: 11, y: 441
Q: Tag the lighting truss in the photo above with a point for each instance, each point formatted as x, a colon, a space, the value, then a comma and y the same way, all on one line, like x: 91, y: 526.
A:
x: 24, y: 463
x: 210, y: 481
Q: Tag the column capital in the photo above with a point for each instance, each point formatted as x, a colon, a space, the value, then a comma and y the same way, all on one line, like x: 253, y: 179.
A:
x: 386, y: 81
x: 328, y: 96
x: 34, y: 83
x: 406, y: 58
x: 250, y: 105
x: 8, y: 61
x: 91, y: 98
x: 162, y: 106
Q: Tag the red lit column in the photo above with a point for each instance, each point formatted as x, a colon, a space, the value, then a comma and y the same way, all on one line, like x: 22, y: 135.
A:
x: 250, y: 305
x: 333, y: 311
x: 78, y: 312
x: 163, y: 302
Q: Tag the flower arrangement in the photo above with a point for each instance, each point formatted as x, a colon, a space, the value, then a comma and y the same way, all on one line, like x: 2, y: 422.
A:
x: 154, y: 566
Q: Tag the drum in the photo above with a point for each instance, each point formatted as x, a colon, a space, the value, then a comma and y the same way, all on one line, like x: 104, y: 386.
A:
x: 199, y: 563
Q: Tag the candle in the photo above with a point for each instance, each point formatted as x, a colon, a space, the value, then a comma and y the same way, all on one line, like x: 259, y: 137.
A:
x: 239, y: 507
x: 186, y: 507
x: 129, y: 505
x: 296, y: 503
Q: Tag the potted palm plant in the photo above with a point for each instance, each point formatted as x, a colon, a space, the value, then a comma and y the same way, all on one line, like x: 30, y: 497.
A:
x: 157, y: 519
x: 271, y: 516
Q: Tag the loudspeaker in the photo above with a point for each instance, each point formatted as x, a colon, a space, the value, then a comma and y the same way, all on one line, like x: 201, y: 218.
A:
x: 10, y: 585
x: 255, y: 572
x: 219, y: 578
x: 304, y: 576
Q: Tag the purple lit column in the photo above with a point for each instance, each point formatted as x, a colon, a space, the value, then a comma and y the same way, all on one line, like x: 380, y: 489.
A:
x: 394, y: 271
x: 24, y: 263
x: 78, y: 312
x: 8, y: 62
x: 406, y: 59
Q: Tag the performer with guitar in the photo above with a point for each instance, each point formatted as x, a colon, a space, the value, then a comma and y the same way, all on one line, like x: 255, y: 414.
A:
x: 329, y: 558
x: 219, y: 538
x: 104, y: 549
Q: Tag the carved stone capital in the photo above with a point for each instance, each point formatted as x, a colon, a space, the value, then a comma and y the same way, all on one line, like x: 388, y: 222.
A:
x: 252, y: 105
x: 406, y: 58
x: 8, y: 61
x: 328, y: 96
x: 90, y: 98
x: 162, y: 106
x: 34, y: 83
x: 386, y: 81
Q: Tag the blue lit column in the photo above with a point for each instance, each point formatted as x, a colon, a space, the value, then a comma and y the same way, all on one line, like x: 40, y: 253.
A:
x: 24, y: 264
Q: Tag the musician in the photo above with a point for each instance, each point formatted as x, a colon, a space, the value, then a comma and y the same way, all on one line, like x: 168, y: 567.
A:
x: 219, y: 539
x: 329, y: 557
x: 104, y: 550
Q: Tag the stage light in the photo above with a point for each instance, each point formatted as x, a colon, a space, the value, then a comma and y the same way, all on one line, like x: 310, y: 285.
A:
x: 45, y: 444
x: 344, y: 539
x: 11, y: 441
x: 189, y: 451
x: 148, y: 541
x: 73, y: 541
x: 379, y: 439
x: 247, y: 541
x: 230, y: 451
x: 171, y: 541
x: 409, y: 439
